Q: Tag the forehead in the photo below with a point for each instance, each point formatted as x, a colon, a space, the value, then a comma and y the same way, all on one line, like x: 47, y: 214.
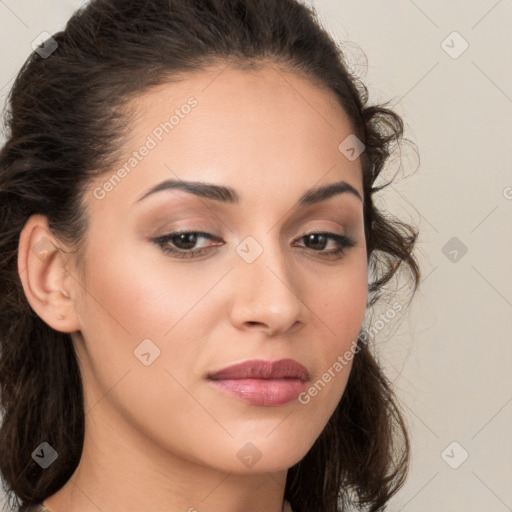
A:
x: 246, y: 128
x: 272, y: 105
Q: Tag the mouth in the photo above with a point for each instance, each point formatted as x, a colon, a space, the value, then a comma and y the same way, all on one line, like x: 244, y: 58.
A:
x: 264, y: 383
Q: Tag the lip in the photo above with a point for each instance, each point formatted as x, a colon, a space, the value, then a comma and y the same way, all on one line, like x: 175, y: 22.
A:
x: 260, y: 382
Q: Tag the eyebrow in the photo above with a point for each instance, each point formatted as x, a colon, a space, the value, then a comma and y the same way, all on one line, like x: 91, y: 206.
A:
x: 230, y: 195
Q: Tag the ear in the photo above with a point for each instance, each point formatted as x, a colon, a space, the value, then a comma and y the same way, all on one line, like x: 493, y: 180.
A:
x: 49, y: 286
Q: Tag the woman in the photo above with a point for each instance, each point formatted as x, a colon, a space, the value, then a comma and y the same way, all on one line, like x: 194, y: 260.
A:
x: 187, y: 237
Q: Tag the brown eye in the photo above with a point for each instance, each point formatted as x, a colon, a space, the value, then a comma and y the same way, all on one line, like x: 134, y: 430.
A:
x: 181, y: 244
x: 318, y: 242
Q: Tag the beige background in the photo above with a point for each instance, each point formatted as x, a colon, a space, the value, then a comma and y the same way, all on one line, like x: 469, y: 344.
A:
x: 449, y: 354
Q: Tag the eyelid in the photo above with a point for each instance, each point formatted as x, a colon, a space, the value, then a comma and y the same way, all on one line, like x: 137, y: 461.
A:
x: 197, y: 224
x: 321, y: 230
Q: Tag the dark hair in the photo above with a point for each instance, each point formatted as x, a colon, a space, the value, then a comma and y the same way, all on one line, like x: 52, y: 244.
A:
x: 67, y: 117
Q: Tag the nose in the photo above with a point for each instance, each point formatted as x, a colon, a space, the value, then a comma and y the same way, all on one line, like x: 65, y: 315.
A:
x: 267, y: 294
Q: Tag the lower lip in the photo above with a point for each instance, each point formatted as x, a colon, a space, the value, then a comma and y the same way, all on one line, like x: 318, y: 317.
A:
x: 266, y: 392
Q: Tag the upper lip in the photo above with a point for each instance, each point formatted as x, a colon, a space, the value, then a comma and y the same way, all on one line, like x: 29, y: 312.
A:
x: 261, y: 369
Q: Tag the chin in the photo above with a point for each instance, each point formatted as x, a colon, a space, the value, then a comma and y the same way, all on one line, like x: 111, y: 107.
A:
x: 264, y: 456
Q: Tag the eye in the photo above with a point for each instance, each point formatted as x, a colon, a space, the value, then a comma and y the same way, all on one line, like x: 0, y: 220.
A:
x: 181, y: 244
x: 318, y: 242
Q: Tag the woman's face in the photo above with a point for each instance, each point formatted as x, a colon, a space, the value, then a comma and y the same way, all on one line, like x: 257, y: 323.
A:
x: 157, y: 316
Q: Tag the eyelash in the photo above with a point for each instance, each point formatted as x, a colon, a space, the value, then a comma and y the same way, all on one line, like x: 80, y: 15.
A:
x: 344, y: 241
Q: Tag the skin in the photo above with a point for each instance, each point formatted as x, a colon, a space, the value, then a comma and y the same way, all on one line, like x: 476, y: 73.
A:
x: 160, y: 437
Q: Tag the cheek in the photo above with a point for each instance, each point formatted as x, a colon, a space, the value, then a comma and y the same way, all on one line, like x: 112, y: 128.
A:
x: 131, y: 297
x: 341, y: 302
x: 341, y: 306
x: 127, y: 294
x: 123, y: 304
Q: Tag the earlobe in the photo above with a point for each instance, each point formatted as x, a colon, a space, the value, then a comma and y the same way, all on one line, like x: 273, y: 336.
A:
x: 46, y: 281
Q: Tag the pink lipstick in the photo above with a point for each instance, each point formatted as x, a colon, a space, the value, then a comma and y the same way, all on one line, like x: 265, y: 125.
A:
x: 259, y: 382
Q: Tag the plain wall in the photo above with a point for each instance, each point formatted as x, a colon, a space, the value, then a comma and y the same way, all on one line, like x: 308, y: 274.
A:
x: 448, y: 354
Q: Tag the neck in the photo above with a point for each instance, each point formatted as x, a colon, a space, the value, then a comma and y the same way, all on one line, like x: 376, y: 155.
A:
x: 134, y: 474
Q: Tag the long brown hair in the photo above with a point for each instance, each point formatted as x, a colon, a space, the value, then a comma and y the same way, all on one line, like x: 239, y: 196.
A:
x: 66, y: 117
